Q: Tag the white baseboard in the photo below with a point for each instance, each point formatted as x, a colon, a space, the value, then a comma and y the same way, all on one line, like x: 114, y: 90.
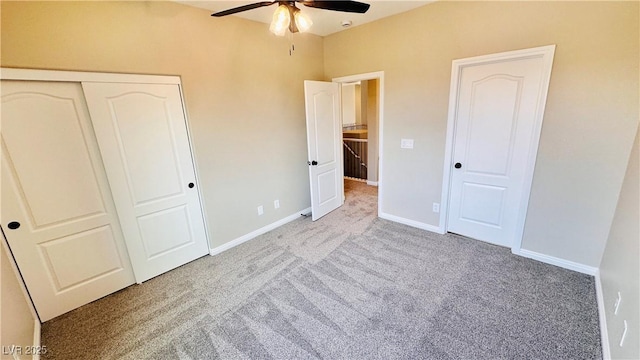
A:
x: 354, y: 179
x: 413, y: 223
x: 604, y: 333
x: 233, y: 243
x: 566, y: 264
x: 372, y: 183
x: 36, y: 338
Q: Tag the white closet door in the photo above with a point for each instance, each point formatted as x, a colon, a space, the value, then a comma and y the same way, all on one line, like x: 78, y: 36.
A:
x: 57, y: 212
x: 141, y: 130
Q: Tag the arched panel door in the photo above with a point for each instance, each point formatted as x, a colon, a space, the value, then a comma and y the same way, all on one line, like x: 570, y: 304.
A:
x: 142, y: 133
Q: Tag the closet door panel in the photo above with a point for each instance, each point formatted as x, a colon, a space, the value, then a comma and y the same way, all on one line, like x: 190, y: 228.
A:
x: 142, y: 133
x: 69, y: 245
x: 143, y: 129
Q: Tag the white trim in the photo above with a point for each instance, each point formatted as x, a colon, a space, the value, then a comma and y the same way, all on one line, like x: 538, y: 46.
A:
x: 252, y: 235
x: 552, y: 260
x: 412, y: 223
x: 604, y: 333
x: 372, y: 183
x: 547, y: 54
x: 379, y: 75
x: 82, y: 76
x: 359, y: 77
x: 36, y: 338
x: 354, y: 179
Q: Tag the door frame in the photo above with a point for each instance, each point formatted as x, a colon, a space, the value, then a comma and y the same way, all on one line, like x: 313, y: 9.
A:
x: 547, y: 54
x: 83, y: 76
x: 376, y: 75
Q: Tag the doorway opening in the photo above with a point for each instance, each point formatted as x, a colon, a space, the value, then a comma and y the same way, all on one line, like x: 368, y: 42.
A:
x: 356, y: 117
x: 362, y: 104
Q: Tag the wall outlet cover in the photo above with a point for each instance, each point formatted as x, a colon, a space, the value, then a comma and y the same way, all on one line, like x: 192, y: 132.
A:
x: 406, y: 143
x: 436, y: 207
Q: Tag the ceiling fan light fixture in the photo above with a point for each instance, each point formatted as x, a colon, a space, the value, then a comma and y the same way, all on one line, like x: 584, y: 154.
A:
x: 303, y: 22
x: 281, y: 20
x: 288, y: 16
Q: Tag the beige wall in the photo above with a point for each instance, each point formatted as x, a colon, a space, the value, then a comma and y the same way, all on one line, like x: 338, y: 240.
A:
x: 17, y: 320
x: 244, y: 93
x: 589, y: 123
x: 348, y: 93
x: 620, y: 264
x: 363, y: 97
x: 358, y: 104
x: 372, y: 127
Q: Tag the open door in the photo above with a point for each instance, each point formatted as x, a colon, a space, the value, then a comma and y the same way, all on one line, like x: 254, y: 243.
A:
x: 324, y: 134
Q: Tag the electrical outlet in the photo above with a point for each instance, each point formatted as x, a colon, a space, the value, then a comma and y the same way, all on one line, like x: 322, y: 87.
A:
x: 406, y: 143
x: 624, y: 334
x: 276, y: 204
x: 260, y: 210
x: 436, y: 207
x: 616, y: 305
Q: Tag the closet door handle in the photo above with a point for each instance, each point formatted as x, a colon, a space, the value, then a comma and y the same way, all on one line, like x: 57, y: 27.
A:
x: 457, y: 165
x: 191, y: 185
x: 13, y: 225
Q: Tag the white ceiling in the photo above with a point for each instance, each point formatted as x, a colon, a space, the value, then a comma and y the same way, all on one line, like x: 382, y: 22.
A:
x: 325, y: 22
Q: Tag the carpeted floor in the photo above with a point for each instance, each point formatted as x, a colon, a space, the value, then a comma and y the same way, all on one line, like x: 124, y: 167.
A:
x: 349, y: 286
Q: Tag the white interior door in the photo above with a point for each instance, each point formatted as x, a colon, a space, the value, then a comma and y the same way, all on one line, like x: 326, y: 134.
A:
x: 498, y: 119
x: 57, y: 212
x: 324, y: 141
x: 141, y: 130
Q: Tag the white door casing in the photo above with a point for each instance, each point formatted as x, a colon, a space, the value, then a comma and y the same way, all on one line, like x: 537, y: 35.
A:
x: 69, y: 245
x: 324, y: 142
x: 497, y: 104
x: 379, y: 75
x: 142, y: 135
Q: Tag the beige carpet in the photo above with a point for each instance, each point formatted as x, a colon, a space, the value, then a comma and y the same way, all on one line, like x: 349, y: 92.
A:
x: 348, y: 286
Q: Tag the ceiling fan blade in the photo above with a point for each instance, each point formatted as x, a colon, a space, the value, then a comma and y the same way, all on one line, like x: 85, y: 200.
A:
x: 243, y: 8
x: 346, y: 6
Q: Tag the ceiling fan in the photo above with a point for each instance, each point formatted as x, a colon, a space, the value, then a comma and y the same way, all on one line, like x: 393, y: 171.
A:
x: 288, y: 16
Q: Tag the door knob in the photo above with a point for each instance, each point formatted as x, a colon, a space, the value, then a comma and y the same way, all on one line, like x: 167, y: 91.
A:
x: 313, y: 163
x: 191, y: 185
x: 457, y: 165
x: 13, y: 225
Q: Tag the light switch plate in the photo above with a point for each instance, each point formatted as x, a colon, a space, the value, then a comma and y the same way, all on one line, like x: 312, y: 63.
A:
x: 406, y: 143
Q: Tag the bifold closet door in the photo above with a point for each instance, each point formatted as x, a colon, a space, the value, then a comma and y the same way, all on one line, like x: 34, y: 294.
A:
x: 57, y: 212
x: 142, y: 135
